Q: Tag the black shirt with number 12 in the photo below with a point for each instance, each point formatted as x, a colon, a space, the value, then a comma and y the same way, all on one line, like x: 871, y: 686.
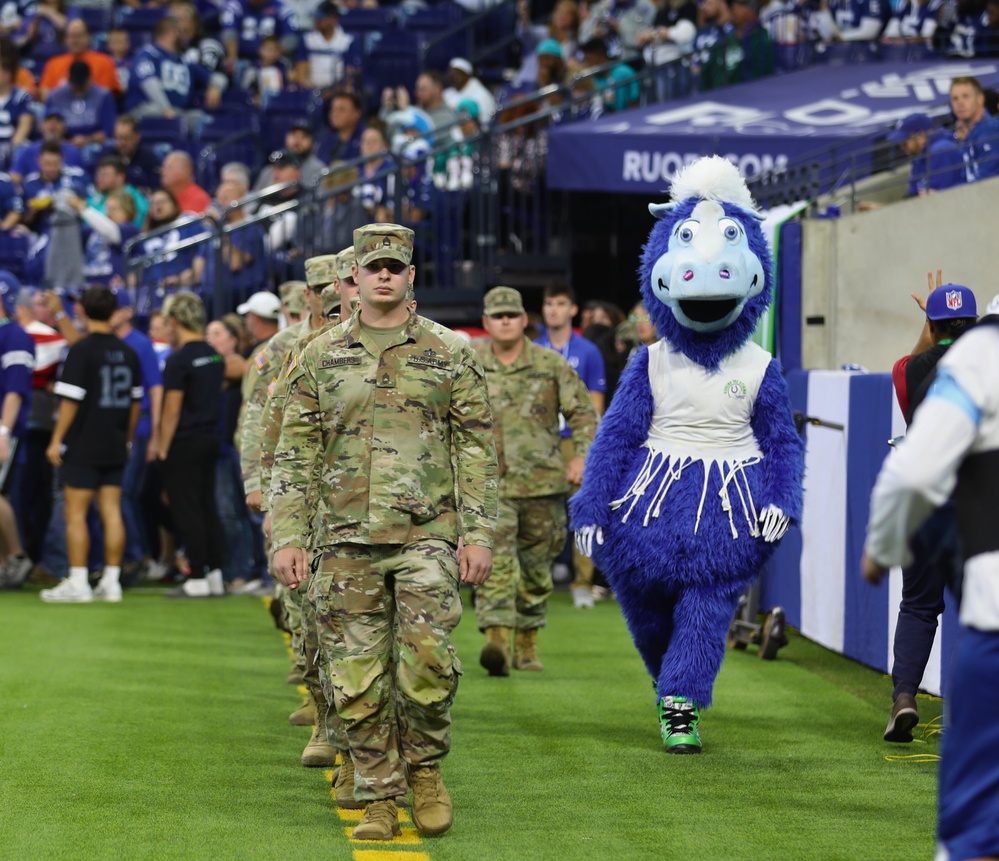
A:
x: 102, y: 374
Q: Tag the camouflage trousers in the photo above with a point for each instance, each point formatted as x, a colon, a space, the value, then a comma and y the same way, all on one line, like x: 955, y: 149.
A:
x: 384, y: 616
x: 529, y: 536
x: 317, y: 676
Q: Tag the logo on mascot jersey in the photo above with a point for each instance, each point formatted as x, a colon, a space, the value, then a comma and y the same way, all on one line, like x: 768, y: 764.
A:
x: 735, y: 389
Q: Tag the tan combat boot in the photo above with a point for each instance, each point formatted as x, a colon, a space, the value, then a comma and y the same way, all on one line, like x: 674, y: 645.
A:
x: 433, y: 811
x: 343, y: 785
x: 495, y: 655
x: 305, y: 714
x: 380, y: 821
x: 525, y: 651
x: 319, y: 753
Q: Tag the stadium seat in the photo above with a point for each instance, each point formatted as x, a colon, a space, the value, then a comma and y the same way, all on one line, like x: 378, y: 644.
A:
x: 139, y: 23
x: 369, y: 20
x: 97, y: 18
x: 162, y: 131
x: 429, y: 24
x: 394, y: 62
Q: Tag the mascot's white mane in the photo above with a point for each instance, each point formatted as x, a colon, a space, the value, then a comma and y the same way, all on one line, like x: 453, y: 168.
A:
x: 712, y: 178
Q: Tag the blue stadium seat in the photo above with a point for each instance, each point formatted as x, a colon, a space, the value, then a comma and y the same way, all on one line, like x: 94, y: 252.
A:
x: 430, y: 23
x: 369, y: 20
x: 13, y: 251
x: 159, y: 131
x: 279, y: 113
x: 139, y: 23
x: 97, y: 18
x: 393, y: 62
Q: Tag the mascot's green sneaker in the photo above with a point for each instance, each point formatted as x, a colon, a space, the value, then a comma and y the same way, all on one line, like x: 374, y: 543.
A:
x: 678, y: 719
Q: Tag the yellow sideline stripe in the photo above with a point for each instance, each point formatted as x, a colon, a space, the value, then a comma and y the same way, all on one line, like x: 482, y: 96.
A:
x: 388, y: 855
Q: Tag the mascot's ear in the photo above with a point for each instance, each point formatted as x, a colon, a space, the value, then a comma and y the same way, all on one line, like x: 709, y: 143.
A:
x: 661, y: 210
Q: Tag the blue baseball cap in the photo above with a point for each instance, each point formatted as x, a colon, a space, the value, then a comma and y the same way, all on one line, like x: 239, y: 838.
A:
x: 9, y: 286
x: 908, y: 126
x: 951, y: 302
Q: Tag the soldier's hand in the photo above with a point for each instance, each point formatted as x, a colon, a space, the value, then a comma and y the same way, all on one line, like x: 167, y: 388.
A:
x: 475, y: 564
x: 254, y: 499
x: 870, y: 570
x: 574, y: 471
x: 290, y: 566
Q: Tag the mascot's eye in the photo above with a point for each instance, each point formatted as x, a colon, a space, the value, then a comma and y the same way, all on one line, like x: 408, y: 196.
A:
x: 730, y: 230
x: 686, y: 231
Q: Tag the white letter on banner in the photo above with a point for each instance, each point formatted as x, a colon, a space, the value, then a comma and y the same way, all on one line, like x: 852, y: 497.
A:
x: 632, y: 160
x: 707, y: 114
x: 827, y: 112
x: 650, y: 166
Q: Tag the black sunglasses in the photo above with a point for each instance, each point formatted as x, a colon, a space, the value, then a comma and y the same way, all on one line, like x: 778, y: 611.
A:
x: 396, y: 267
x: 505, y: 315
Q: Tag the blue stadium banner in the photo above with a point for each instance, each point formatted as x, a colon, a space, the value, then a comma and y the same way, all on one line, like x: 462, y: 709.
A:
x: 760, y: 126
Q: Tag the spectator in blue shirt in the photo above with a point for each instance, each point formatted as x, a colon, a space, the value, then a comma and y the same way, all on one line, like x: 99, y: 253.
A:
x: 936, y: 159
x: 914, y: 21
x: 53, y: 129
x: 16, y: 117
x: 142, y: 165
x: 42, y: 33
x: 163, y: 83
x: 146, y: 441
x: 41, y: 189
x: 89, y: 110
x: 976, y: 131
x: 342, y: 142
x: 11, y: 204
x: 245, y: 22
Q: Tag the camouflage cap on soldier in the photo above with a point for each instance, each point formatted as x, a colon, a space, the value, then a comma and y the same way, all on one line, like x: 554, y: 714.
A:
x: 380, y: 241
x: 344, y: 260
x: 293, y: 296
x: 321, y: 269
x: 502, y: 300
x: 330, y: 299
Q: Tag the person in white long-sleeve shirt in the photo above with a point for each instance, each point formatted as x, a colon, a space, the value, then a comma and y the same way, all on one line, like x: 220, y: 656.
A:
x: 952, y: 448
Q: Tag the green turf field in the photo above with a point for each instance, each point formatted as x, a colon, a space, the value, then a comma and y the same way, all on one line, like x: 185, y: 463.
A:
x: 157, y: 729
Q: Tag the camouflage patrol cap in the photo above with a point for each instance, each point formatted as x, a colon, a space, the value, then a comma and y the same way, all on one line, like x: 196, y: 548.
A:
x: 379, y: 241
x: 293, y: 296
x: 344, y: 260
x: 330, y: 299
x: 321, y: 269
x: 502, y: 300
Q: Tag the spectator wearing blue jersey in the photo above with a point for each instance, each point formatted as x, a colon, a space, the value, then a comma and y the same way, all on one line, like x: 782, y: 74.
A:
x: 119, y: 48
x: 914, y: 21
x: 103, y: 250
x: 936, y: 158
x: 17, y: 361
x: 169, y: 266
x: 342, y: 141
x: 976, y: 131
x: 42, y: 33
x: 195, y: 46
x: 16, y: 117
x: 53, y: 129
x: 269, y: 74
x: 11, y: 204
x: 373, y: 187
x: 146, y: 440
x: 714, y: 26
x: 245, y: 22
x: 89, y: 110
x: 41, y: 189
x: 851, y: 20
x: 164, y: 84
x: 332, y: 56
x: 558, y: 310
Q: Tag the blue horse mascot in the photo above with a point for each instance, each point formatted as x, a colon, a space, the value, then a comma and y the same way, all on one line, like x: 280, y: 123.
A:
x: 696, y: 470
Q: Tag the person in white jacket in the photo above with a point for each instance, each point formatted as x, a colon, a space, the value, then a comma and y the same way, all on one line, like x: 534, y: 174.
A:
x: 952, y: 448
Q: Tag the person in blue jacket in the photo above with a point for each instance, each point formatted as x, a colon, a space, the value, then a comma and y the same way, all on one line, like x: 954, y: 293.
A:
x: 936, y: 157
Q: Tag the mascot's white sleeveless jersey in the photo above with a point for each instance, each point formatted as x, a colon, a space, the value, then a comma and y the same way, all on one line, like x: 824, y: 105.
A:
x: 701, y: 416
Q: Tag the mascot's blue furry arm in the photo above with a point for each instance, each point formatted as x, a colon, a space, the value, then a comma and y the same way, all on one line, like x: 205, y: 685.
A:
x: 695, y: 473
x: 623, y: 431
x: 778, y: 438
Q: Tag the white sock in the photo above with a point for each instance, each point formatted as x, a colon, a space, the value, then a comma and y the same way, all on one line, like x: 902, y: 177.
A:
x: 111, y: 574
x: 78, y: 576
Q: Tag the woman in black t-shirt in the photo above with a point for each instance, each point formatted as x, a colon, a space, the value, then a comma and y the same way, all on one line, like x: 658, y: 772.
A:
x: 192, y: 386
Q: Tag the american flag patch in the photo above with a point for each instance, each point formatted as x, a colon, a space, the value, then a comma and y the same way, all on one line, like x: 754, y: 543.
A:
x: 292, y: 366
x: 260, y: 360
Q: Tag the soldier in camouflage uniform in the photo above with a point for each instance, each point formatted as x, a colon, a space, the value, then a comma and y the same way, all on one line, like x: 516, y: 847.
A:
x: 327, y: 736
x: 387, y: 449
x: 293, y: 304
x: 346, y: 281
x: 528, y: 387
x: 262, y: 371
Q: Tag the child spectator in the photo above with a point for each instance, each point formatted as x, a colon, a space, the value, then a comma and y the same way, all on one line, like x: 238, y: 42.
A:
x: 270, y: 74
